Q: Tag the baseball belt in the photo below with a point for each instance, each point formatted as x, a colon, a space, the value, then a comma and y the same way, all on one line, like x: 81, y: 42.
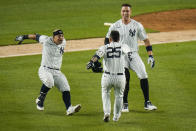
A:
x: 113, y: 73
x: 51, y: 68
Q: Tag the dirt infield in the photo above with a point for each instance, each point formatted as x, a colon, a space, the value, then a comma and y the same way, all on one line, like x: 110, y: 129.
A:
x: 175, y: 26
x: 169, y: 20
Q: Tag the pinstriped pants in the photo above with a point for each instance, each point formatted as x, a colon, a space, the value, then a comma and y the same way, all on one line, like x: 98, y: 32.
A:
x: 133, y: 61
x: 118, y: 83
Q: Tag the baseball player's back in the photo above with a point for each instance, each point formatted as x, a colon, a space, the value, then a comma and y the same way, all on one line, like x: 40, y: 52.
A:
x: 113, y: 76
x: 113, y: 61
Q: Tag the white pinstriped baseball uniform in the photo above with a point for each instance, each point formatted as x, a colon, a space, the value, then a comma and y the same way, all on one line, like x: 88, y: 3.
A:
x: 49, y: 71
x: 129, y: 35
x: 113, y: 76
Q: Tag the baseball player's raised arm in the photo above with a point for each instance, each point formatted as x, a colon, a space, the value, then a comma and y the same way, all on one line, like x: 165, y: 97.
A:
x: 99, y: 53
x: 21, y: 38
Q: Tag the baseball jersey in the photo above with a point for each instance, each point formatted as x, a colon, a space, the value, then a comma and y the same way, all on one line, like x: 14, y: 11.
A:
x: 129, y: 33
x: 113, y: 61
x: 51, y: 53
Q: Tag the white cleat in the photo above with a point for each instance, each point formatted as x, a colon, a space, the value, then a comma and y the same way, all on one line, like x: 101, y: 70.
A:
x: 125, y: 108
x: 116, y: 117
x: 39, y: 107
x: 106, y: 118
x: 73, y: 109
x: 149, y: 106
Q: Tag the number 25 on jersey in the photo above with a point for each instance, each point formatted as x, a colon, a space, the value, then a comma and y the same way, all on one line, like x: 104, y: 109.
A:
x: 113, y: 52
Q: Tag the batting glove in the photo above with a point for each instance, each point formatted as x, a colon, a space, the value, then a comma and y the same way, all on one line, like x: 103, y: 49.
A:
x: 19, y: 38
x: 89, y: 65
x: 151, y: 61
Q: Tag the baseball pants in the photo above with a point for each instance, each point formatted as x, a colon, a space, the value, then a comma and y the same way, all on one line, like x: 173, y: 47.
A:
x: 118, y: 82
x: 52, y: 77
x: 133, y: 61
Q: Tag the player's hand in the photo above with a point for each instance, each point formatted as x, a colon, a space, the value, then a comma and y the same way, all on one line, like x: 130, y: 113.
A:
x: 19, y: 38
x: 151, y: 61
x: 89, y: 65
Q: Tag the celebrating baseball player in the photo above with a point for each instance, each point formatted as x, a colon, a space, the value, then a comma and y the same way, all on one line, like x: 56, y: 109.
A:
x: 130, y: 31
x: 113, y: 75
x: 49, y: 71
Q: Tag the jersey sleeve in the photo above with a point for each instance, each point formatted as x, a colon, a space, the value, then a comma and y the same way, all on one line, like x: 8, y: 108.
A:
x: 141, y: 32
x: 42, y: 39
x: 101, y: 51
x: 125, y: 49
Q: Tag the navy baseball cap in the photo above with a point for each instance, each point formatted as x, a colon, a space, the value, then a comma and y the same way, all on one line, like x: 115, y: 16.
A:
x: 57, y: 32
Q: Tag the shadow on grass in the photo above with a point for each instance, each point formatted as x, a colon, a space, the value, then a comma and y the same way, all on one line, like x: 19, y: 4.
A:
x: 80, y: 113
x: 145, y: 111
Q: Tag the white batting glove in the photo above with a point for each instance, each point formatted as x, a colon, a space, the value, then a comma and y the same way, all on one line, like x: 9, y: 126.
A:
x: 151, y: 61
x: 19, y: 38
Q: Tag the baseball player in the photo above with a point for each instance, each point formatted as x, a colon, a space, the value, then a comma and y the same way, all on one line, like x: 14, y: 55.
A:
x: 113, y: 76
x: 130, y: 32
x: 49, y: 71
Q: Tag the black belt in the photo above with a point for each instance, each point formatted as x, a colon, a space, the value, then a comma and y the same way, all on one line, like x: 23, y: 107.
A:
x: 113, y: 73
x: 51, y: 68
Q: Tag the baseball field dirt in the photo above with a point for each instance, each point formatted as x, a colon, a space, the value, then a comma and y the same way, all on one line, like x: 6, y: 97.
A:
x: 174, y: 26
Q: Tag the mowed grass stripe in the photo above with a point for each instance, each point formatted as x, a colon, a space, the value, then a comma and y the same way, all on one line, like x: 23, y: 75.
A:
x: 77, y: 18
x: 172, y: 90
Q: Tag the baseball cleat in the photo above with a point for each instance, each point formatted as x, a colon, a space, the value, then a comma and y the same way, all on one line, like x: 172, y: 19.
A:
x: 116, y: 117
x: 125, y: 108
x: 40, y: 105
x: 73, y: 109
x: 149, y: 106
x: 106, y: 118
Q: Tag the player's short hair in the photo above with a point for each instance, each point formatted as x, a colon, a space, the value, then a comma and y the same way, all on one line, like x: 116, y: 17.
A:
x: 128, y: 5
x: 115, y: 35
x: 57, y: 32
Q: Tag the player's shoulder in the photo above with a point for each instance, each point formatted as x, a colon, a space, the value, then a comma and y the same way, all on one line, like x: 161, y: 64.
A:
x: 102, y: 48
x: 117, y: 24
x: 136, y: 22
x: 44, y: 37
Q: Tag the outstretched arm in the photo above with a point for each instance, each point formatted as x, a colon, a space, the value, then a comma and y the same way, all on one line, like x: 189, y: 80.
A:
x: 149, y: 51
x: 94, y: 59
x: 21, y: 38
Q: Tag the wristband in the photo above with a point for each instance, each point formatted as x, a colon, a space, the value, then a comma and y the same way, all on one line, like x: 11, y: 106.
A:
x: 96, y: 56
x: 37, y: 37
x: 26, y: 37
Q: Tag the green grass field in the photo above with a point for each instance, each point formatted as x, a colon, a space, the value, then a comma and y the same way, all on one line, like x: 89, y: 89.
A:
x: 78, y: 18
x: 172, y: 90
